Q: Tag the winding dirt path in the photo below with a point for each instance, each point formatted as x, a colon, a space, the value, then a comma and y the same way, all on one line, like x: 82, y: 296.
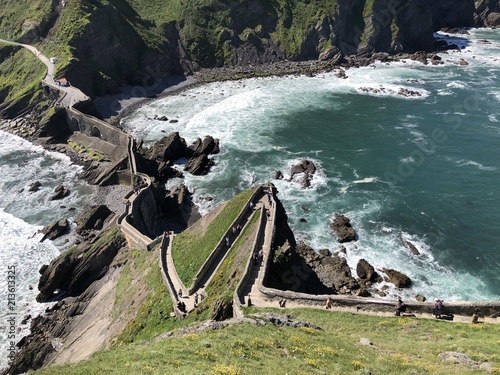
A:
x: 72, y: 95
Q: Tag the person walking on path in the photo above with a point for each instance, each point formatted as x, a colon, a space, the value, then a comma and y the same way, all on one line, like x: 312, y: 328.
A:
x: 438, y: 308
x: 328, y: 304
x: 400, y: 307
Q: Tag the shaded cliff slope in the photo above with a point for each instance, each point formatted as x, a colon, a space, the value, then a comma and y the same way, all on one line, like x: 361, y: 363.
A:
x: 104, y: 44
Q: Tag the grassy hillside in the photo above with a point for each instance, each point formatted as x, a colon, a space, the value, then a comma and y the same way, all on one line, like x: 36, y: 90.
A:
x: 18, y: 18
x: 192, y: 247
x: 400, y: 346
x: 21, y: 75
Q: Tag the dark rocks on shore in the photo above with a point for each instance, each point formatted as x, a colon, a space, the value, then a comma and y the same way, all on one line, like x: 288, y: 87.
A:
x: 278, y: 175
x: 168, y: 149
x: 207, y: 146
x: 177, y: 207
x: 92, y: 218
x: 76, y: 269
x: 199, y: 165
x: 60, y: 192
x: 55, y: 230
x: 399, y: 279
x: 174, y: 147
x: 341, y: 225
x: 302, y: 269
x: 455, y: 30
x: 366, y: 271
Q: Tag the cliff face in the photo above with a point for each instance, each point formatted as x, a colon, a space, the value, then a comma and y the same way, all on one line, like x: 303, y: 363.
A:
x: 107, y: 44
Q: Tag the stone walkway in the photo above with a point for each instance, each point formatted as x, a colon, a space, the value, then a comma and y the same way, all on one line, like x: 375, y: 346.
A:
x: 72, y: 94
x: 180, y: 290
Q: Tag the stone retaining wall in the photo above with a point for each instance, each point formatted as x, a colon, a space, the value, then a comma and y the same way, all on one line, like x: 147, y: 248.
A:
x: 238, y: 293
x: 165, y: 243
x: 94, y: 127
x: 222, y: 244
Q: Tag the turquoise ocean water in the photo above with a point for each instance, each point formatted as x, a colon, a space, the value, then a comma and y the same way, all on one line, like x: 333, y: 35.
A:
x: 425, y: 167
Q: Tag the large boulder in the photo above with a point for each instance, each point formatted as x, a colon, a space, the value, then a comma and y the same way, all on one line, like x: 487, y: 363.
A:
x: 92, y: 219
x: 400, y: 280
x: 169, y: 148
x: 308, y: 168
x: 365, y: 270
x: 55, y: 230
x: 342, y: 227
x: 332, y: 271
x: 199, y: 165
x: 208, y: 146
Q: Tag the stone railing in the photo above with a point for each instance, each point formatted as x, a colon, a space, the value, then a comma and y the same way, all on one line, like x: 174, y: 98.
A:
x: 221, y: 245
x: 247, y: 272
x: 133, y: 199
x: 166, y: 242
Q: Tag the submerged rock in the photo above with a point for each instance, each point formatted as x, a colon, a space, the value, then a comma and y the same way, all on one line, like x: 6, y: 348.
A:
x: 413, y: 249
x: 34, y: 186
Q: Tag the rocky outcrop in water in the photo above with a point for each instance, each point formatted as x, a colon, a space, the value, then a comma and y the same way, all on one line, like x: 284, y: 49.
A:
x: 55, y: 230
x: 302, y: 269
x: 60, y: 192
x: 305, y: 167
x: 341, y: 226
x: 410, y: 246
x: 399, y: 279
x: 168, y: 149
x: 172, y: 148
x: 366, y: 271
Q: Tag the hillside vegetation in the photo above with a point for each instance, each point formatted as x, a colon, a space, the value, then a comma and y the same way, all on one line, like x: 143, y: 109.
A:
x: 105, y: 44
x: 20, y: 78
x: 400, y: 346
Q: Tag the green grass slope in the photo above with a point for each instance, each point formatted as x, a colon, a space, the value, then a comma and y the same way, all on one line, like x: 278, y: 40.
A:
x: 20, y: 17
x: 21, y: 74
x: 191, y: 248
x: 400, y: 346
